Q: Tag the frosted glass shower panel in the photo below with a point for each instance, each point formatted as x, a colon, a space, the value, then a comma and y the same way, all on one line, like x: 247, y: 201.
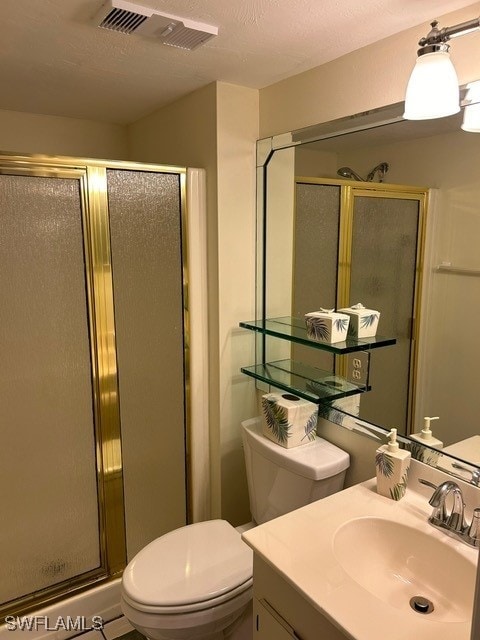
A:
x: 48, y: 491
x: 317, y: 221
x: 383, y: 271
x: 146, y: 237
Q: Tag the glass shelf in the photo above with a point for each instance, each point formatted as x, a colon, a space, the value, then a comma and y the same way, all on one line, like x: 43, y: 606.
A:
x: 294, y: 329
x: 305, y: 381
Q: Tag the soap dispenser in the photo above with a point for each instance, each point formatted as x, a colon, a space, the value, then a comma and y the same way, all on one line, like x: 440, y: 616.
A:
x: 425, y: 437
x: 392, y: 465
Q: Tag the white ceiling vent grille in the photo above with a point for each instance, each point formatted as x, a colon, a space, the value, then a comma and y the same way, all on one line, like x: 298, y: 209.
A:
x: 121, y: 16
x: 186, y: 34
x: 121, y: 20
x: 128, y: 17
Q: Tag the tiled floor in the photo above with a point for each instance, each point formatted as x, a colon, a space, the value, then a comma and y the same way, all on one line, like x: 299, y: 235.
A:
x: 119, y: 629
x: 132, y: 635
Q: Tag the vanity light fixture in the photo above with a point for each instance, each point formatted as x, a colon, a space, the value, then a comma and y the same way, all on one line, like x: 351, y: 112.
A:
x: 432, y: 91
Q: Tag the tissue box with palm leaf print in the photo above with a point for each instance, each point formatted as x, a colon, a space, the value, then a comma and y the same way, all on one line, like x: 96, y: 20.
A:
x: 288, y: 420
x: 363, y: 322
x: 327, y: 326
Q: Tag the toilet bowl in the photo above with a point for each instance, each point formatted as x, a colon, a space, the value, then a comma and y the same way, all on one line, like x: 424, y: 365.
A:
x: 195, y: 583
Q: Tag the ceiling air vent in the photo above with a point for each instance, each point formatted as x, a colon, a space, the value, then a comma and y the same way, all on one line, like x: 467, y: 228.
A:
x: 128, y: 17
x: 186, y: 34
x: 121, y: 16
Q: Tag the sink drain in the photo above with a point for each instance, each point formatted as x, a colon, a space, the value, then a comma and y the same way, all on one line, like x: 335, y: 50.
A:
x: 421, y: 604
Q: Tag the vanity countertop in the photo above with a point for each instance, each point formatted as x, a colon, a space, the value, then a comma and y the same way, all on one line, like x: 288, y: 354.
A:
x: 300, y: 547
x: 468, y: 449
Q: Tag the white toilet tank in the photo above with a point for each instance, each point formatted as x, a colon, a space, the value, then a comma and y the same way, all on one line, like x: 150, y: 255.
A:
x: 281, y: 480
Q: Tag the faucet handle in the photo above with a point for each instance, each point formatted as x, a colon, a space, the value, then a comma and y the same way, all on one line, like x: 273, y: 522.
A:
x: 456, y: 519
x: 473, y: 532
x: 428, y: 483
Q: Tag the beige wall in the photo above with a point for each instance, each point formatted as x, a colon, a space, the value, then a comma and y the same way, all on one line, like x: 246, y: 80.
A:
x: 313, y: 163
x: 216, y: 128
x: 279, y: 231
x: 54, y: 135
x: 184, y: 133
x: 237, y: 131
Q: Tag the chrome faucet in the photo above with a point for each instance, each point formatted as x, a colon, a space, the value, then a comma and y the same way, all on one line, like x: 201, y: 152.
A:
x: 453, y: 521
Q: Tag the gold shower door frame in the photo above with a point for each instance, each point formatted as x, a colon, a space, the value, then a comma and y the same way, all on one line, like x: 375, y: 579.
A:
x: 386, y: 191
x: 349, y: 190
x: 92, y: 178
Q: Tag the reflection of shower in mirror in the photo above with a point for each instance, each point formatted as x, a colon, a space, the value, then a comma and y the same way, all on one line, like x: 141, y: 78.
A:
x: 381, y: 169
x: 346, y: 172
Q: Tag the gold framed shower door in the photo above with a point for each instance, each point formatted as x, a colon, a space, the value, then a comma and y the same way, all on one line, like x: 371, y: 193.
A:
x: 91, y: 176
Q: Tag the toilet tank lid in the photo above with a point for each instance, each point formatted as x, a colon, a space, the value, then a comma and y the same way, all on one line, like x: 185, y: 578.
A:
x: 189, y: 565
x: 315, y: 460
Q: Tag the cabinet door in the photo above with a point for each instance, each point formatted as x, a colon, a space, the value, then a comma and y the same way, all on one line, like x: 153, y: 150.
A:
x: 268, y: 624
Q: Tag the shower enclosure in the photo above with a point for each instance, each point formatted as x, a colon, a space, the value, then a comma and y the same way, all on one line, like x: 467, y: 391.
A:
x: 94, y: 373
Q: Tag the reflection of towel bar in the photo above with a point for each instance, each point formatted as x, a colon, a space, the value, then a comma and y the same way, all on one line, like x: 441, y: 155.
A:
x: 449, y: 268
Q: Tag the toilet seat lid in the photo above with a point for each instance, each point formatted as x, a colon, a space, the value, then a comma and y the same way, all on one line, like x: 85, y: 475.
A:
x: 189, y: 565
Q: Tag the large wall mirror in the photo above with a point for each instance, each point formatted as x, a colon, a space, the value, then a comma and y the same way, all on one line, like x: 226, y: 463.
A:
x: 382, y: 211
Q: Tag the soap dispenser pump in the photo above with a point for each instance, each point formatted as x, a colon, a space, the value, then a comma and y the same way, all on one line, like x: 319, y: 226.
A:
x: 426, y: 437
x: 392, y: 465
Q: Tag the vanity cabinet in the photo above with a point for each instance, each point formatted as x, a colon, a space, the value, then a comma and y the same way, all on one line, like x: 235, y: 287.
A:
x: 280, y: 612
x: 269, y: 624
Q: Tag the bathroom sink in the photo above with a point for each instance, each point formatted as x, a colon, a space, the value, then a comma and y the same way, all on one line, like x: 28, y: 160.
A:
x: 397, y: 563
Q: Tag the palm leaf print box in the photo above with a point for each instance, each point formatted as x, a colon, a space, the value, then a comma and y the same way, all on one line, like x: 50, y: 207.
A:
x: 327, y: 326
x: 363, y: 322
x: 288, y: 420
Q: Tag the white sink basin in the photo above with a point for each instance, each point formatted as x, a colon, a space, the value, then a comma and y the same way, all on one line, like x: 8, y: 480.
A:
x: 398, y: 562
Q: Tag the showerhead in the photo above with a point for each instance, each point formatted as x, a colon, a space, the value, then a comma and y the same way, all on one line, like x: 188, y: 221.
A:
x: 346, y: 172
x: 382, y: 169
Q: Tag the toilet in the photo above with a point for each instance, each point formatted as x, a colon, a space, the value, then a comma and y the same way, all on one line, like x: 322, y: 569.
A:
x: 195, y: 583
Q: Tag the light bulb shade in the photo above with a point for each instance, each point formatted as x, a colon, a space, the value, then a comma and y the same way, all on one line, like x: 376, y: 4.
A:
x: 471, y: 118
x: 432, y: 90
x: 471, y: 113
x: 473, y: 91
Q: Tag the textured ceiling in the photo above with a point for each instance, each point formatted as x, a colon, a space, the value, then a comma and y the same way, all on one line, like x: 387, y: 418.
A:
x: 54, y: 61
